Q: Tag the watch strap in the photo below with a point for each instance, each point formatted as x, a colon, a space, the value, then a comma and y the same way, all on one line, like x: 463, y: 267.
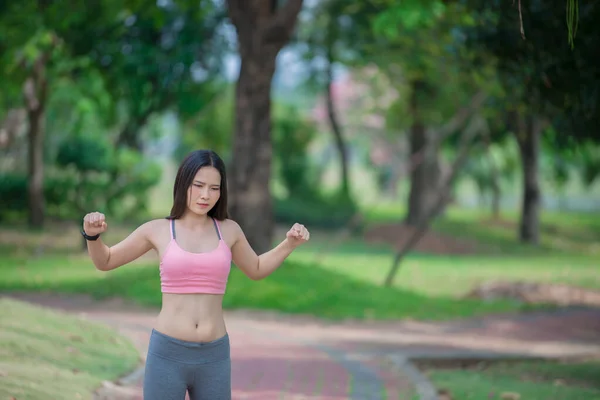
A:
x: 88, y: 237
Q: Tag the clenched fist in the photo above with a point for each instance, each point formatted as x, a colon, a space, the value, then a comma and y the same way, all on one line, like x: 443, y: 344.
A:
x: 94, y: 224
x: 297, y: 235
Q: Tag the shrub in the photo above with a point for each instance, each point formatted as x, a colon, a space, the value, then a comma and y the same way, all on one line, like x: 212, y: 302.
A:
x: 116, y: 182
x: 326, y: 213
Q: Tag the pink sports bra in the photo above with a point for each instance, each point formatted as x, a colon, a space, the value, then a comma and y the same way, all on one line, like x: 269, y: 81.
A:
x: 184, y: 272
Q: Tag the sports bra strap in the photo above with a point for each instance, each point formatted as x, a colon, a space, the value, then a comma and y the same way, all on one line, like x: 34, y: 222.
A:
x: 172, y: 228
x: 217, y: 227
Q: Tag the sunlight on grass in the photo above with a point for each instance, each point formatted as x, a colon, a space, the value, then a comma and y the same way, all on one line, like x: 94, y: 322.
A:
x: 49, y: 355
x: 294, y: 288
x: 455, y: 275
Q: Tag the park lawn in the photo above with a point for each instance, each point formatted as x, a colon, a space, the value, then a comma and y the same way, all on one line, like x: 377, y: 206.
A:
x: 560, y: 232
x: 454, y: 276
x: 546, y: 380
x: 327, y: 277
x: 568, y: 253
x: 50, y: 355
x: 294, y: 288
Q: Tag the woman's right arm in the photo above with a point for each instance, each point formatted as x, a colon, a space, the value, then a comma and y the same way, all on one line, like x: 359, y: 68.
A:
x: 108, y: 258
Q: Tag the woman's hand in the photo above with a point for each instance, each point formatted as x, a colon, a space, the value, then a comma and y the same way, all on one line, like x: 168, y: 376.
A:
x: 94, y: 224
x: 297, y: 235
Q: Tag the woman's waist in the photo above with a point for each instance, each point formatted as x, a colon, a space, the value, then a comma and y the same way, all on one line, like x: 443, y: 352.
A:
x: 193, y: 317
x: 188, y: 351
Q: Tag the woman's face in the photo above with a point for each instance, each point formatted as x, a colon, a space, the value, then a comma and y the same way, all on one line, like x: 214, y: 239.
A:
x: 205, y: 190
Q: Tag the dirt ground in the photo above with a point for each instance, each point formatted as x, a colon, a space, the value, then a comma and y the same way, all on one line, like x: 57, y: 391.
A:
x: 433, y: 242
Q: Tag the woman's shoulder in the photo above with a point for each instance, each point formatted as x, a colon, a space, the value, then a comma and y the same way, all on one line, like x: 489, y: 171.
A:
x: 230, y: 226
x: 228, y: 223
x: 155, y: 225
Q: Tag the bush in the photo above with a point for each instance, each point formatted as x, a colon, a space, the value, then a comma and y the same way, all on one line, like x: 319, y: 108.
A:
x: 13, y: 192
x: 326, y: 213
x: 292, y: 135
x: 118, y: 185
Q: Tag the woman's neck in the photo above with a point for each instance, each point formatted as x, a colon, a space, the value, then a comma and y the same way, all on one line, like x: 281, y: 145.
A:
x: 191, y: 220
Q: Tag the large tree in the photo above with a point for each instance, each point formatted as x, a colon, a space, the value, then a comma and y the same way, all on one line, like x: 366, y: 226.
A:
x: 548, y: 81
x: 263, y: 28
x: 151, y: 58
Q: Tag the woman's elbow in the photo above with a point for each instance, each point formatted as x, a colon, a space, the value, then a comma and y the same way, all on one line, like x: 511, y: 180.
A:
x: 102, y: 267
x: 256, y: 276
x: 105, y: 266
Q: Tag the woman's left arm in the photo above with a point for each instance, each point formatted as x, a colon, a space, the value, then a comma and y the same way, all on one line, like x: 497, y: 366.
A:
x: 258, y: 267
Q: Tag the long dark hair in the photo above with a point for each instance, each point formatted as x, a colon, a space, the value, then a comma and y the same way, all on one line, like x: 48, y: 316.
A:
x: 185, y: 176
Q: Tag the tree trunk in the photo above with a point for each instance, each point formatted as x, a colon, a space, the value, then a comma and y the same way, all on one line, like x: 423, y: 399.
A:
x: 528, y: 138
x: 425, y: 175
x: 262, y: 31
x: 496, y: 192
x: 36, y: 168
x: 337, y: 132
x: 34, y: 93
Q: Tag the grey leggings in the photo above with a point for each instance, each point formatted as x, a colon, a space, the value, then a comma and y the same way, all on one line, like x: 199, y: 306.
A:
x: 175, y: 366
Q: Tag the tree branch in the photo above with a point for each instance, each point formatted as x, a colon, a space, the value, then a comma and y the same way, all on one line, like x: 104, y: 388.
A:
x: 476, y: 125
x: 236, y: 10
x: 281, y: 26
x: 461, y: 116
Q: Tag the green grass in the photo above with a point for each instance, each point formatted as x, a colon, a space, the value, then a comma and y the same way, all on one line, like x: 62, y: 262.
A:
x: 568, y: 253
x: 330, y: 279
x: 49, y: 355
x: 532, y: 380
x: 294, y: 288
x: 560, y: 232
x: 433, y: 275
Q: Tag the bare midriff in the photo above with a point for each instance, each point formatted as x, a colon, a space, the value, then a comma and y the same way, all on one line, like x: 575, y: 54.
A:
x: 192, y: 317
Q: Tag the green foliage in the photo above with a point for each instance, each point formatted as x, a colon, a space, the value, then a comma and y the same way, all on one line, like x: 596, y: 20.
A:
x: 13, y: 191
x: 318, y: 212
x: 163, y: 58
x: 304, y: 199
x: 407, y: 15
x: 211, y: 128
x: 79, y: 105
x: 84, y: 153
x: 42, y: 43
x: 148, y: 59
x: 501, y: 158
x: 543, y: 74
x: 116, y: 182
x: 562, y: 163
x: 292, y: 134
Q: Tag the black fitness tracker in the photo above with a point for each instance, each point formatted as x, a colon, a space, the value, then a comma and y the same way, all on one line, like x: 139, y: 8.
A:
x: 87, y: 237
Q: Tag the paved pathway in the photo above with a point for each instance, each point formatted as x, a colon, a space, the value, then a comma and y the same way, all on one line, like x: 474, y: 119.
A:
x: 270, y: 360
x: 284, y: 357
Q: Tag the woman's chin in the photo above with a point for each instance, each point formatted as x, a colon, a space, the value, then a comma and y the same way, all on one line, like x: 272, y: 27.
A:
x: 200, y: 210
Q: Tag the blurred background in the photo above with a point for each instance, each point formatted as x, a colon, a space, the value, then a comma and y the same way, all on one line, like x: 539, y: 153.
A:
x: 442, y: 153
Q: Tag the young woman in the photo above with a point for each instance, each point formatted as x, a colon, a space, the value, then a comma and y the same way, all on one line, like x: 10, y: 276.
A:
x: 189, y: 345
